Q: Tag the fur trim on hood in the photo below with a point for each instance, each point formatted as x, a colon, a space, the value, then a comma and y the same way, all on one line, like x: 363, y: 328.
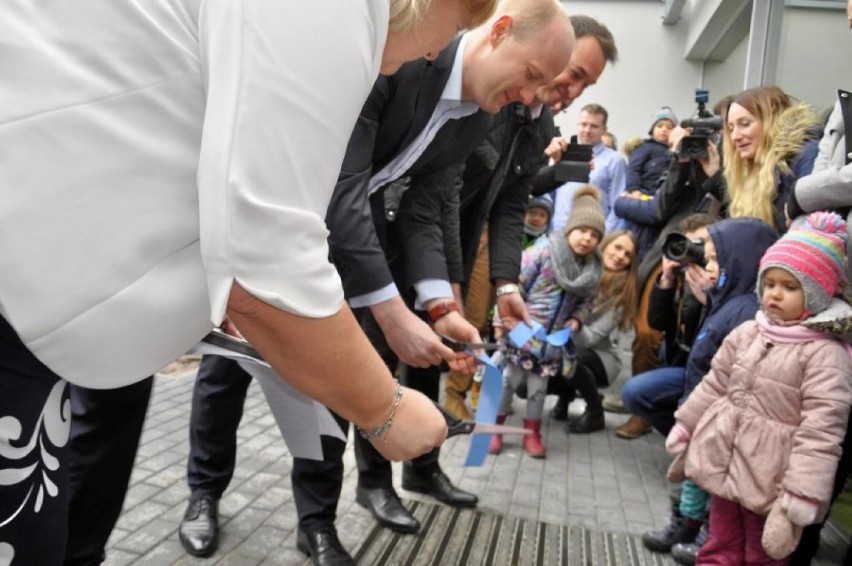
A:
x: 795, y: 126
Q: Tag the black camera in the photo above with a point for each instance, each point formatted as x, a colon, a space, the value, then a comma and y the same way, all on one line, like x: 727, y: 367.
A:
x: 681, y: 249
x: 575, y: 165
x: 705, y: 128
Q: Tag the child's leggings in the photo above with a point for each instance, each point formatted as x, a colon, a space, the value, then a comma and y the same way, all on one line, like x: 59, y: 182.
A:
x: 536, y: 390
x: 734, y: 538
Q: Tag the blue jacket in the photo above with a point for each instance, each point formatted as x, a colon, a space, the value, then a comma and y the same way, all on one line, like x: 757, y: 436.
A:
x: 646, y: 166
x: 740, y: 243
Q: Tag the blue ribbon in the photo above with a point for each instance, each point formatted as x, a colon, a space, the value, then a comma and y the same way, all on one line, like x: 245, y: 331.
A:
x: 492, y: 385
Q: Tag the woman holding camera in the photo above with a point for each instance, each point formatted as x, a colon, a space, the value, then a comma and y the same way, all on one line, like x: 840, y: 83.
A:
x: 769, y: 142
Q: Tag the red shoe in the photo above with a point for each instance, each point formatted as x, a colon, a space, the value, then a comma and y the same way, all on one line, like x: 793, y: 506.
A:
x: 532, y: 442
x: 496, y: 444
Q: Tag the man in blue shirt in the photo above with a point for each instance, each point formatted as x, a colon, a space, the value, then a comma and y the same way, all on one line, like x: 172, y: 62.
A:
x: 609, y: 173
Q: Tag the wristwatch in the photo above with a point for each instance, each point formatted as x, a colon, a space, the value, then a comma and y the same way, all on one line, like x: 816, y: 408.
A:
x: 442, y: 309
x: 507, y: 289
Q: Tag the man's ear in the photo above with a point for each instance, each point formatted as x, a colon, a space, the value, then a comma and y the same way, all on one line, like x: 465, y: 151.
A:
x: 501, y: 29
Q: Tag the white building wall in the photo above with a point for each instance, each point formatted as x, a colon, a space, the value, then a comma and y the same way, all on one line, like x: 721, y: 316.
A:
x: 815, y: 56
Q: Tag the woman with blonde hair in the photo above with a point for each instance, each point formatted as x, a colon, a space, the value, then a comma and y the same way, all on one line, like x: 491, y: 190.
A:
x: 769, y: 141
x: 187, y: 116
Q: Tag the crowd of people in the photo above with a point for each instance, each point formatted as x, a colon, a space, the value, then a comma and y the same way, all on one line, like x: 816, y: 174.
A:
x: 216, y: 180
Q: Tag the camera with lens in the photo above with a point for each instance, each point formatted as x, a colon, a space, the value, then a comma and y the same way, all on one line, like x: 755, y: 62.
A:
x: 575, y: 165
x: 677, y: 247
x: 705, y: 128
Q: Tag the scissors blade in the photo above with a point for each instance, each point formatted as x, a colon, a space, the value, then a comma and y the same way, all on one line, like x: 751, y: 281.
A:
x: 222, y: 340
x: 485, y: 428
x: 458, y: 346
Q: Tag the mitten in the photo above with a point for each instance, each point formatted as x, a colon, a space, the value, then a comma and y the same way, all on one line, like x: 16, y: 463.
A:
x: 780, y: 535
x: 800, y: 510
x: 678, y: 439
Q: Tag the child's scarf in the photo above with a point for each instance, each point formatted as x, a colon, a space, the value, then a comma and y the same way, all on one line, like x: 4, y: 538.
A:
x: 792, y: 334
x: 579, y: 278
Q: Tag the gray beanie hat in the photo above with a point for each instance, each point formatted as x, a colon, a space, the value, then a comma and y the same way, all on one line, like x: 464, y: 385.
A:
x: 664, y: 113
x: 586, y: 211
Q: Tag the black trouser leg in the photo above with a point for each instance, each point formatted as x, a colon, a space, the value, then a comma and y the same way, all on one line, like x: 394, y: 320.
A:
x: 317, y: 483
x: 217, y: 407
x: 105, y: 428
x: 427, y: 381
x: 34, y: 456
x: 589, y: 375
x: 374, y: 470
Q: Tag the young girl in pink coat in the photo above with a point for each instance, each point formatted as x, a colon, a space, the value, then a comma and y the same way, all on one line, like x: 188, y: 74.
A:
x: 762, y: 431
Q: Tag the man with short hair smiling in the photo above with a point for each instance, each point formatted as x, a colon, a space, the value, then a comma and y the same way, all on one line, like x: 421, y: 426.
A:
x: 497, y: 180
x: 609, y: 173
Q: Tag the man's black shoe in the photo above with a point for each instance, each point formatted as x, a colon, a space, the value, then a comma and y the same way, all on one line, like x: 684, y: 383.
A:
x: 199, y: 528
x: 388, y: 510
x: 324, y: 548
x: 438, y: 485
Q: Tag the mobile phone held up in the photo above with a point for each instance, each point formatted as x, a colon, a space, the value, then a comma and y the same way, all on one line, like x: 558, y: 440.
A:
x: 575, y: 164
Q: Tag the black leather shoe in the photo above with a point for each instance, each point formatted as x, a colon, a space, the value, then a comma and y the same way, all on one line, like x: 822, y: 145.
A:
x: 438, y: 485
x: 324, y: 548
x: 388, y: 510
x: 199, y: 529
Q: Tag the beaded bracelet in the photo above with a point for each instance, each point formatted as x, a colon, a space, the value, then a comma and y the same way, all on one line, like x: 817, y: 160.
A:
x: 382, y: 429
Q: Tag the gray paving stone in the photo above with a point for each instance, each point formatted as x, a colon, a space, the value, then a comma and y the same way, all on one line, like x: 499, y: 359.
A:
x: 596, y: 481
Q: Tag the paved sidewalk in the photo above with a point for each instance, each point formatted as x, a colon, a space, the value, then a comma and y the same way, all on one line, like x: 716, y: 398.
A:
x: 596, y: 481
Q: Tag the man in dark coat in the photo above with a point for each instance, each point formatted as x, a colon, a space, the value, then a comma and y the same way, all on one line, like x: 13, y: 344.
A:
x: 497, y: 181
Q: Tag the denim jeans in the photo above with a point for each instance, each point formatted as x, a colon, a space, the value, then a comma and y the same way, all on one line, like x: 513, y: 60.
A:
x: 653, y: 395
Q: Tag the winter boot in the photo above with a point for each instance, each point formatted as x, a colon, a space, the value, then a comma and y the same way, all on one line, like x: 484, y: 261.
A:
x: 635, y: 427
x: 679, y: 529
x: 591, y: 420
x: 532, y: 442
x: 686, y: 553
x: 456, y: 387
x: 496, y: 444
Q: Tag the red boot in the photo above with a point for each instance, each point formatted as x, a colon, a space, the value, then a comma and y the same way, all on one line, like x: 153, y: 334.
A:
x: 496, y: 444
x: 532, y: 442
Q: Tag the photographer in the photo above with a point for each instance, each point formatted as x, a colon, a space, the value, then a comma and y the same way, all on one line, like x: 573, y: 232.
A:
x: 676, y: 308
x: 690, y: 186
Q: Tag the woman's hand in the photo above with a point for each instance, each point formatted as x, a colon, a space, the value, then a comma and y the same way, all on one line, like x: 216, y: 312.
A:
x: 712, y: 163
x: 417, y: 427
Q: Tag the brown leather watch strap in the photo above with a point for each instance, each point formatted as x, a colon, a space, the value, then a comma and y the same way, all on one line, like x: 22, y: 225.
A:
x: 442, y: 309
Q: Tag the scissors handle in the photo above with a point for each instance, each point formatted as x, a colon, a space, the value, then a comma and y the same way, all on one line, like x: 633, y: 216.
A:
x: 455, y: 425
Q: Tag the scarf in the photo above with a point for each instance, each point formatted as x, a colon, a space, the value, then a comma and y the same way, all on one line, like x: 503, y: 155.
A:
x: 792, y: 334
x: 534, y: 232
x: 580, y: 278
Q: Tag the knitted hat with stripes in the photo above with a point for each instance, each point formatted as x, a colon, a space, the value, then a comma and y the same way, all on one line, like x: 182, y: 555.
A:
x: 814, y: 253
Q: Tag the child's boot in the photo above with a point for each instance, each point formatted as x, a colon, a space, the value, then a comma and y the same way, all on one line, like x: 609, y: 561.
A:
x: 496, y: 444
x: 532, y: 442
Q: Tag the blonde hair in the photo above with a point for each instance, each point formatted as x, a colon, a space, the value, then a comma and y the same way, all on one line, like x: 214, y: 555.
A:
x: 751, y: 183
x: 619, y: 289
x: 405, y: 15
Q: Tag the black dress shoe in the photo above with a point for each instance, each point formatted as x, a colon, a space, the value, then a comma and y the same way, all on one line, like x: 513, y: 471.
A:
x: 438, y: 485
x: 199, y: 529
x: 324, y: 548
x: 388, y: 510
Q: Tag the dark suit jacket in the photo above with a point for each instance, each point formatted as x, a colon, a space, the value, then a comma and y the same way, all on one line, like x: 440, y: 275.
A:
x: 365, y: 246
x: 496, y: 186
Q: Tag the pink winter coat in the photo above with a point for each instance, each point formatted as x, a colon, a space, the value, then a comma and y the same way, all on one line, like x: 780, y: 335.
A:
x: 768, y: 416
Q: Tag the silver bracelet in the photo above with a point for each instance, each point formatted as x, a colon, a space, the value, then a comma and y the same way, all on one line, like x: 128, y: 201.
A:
x: 382, y: 429
x: 507, y: 289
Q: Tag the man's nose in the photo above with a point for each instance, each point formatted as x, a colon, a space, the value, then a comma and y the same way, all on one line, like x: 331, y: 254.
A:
x: 527, y: 95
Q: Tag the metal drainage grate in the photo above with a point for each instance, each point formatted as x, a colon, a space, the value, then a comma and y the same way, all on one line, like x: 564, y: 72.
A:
x: 469, y: 537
